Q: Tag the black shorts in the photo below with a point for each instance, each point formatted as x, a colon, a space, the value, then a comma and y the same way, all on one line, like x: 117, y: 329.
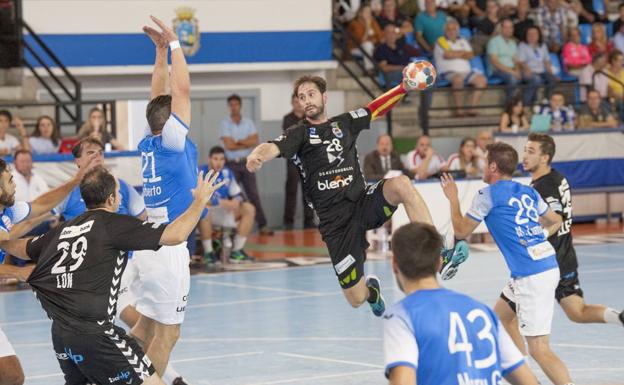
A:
x: 568, y: 285
x: 347, y: 246
x: 109, y: 357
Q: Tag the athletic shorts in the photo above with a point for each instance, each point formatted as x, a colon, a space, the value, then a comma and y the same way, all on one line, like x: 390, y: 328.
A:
x: 467, y: 76
x: 107, y: 357
x: 347, y: 246
x: 568, y: 285
x: 6, y: 349
x: 163, y: 284
x: 128, y: 287
x: 534, y: 300
x: 221, y: 217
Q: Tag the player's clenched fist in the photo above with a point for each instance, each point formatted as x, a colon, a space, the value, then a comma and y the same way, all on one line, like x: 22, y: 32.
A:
x: 253, y: 163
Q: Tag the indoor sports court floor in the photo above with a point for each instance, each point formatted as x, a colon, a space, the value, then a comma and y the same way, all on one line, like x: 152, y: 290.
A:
x: 292, y: 326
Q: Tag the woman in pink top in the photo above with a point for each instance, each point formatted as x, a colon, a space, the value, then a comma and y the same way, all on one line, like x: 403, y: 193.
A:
x: 575, y: 55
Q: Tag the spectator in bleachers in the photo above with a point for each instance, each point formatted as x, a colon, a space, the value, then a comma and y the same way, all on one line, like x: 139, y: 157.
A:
x: 477, y: 10
x: 513, y: 118
x: 615, y: 74
x: 554, y: 19
x: 575, y: 54
x: 618, y: 39
x: 345, y: 10
x: 28, y: 185
x: 46, y: 137
x: 391, y: 15
x: 452, y: 54
x: 459, y: 9
x: 466, y: 159
x: 586, y: 12
x: 95, y: 126
x: 617, y: 24
x: 537, y: 70
x: 8, y: 142
x: 561, y: 116
x: 484, y: 138
x: 429, y: 25
x: 485, y: 27
x: 592, y: 77
x: 408, y: 7
x: 365, y: 29
x: 595, y: 114
x: 239, y: 136
x: 521, y: 19
x: 599, y: 41
x: 423, y: 161
x: 393, y: 55
x: 382, y: 160
x: 503, y: 56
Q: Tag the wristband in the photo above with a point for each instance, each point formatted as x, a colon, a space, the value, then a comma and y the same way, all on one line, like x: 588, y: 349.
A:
x: 174, y: 44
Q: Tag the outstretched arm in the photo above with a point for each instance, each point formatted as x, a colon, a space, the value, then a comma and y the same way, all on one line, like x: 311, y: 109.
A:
x: 261, y: 154
x: 16, y: 248
x: 160, y: 76
x: 384, y: 103
x: 463, y: 226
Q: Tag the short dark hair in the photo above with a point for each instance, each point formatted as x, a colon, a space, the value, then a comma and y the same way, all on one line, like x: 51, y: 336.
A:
x: 216, y: 150
x: 593, y: 91
x: 546, y: 142
x: 416, y: 248
x: 7, y: 114
x: 539, y: 34
x: 320, y: 83
x: 157, y: 112
x: 235, y: 97
x: 505, y: 157
x: 96, y: 186
x: 613, y: 55
x: 77, y: 150
x: 20, y: 152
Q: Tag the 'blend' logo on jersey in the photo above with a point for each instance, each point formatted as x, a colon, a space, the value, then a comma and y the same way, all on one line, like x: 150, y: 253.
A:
x: 338, y: 182
x: 122, y: 376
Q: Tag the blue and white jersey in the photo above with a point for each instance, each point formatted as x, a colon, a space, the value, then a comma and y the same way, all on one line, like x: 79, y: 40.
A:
x: 73, y: 205
x: 229, y: 190
x: 11, y: 216
x: 169, y: 171
x: 511, y: 212
x: 449, y: 339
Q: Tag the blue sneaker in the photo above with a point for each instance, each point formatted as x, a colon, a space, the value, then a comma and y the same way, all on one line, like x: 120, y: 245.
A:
x: 452, y: 258
x: 379, y: 306
x: 238, y: 256
x: 211, y: 257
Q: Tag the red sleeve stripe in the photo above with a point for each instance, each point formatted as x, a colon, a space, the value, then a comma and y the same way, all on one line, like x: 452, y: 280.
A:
x: 383, y: 104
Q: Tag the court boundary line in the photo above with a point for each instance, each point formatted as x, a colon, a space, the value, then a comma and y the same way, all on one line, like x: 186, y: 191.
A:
x: 325, y: 359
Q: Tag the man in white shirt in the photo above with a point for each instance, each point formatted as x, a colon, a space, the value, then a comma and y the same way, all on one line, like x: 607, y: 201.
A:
x: 423, y: 160
x: 452, y: 54
x: 592, y: 77
x: 9, y: 143
x: 28, y: 185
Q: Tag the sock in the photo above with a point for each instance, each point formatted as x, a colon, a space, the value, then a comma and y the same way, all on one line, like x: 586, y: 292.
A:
x: 612, y: 316
x: 207, y: 244
x: 373, y: 295
x: 239, y: 242
x: 170, y: 374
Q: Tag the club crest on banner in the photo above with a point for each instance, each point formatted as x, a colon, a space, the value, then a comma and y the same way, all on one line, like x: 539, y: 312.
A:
x: 186, y: 27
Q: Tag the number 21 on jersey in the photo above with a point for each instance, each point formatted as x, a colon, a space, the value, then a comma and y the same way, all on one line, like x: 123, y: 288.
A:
x: 149, y: 168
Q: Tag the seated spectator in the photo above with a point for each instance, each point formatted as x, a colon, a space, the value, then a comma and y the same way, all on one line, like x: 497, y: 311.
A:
x: 513, y: 118
x: 617, y: 24
x: 390, y: 15
x: 345, y: 10
x: 46, y: 138
x: 393, y: 56
x: 423, y: 161
x: 561, y: 116
x: 595, y: 114
x: 536, y: 67
x: 429, y: 26
x: 575, y: 54
x: 459, y: 9
x: 554, y: 19
x: 452, y: 54
x: 466, y: 159
x: 592, y: 77
x: 484, y: 138
x: 615, y: 74
x: 477, y: 11
x: 408, y: 7
x: 618, y: 38
x: 599, y: 42
x: 96, y: 126
x: 502, y: 53
x: 485, y: 27
x: 366, y: 31
x: 28, y: 185
x: 521, y: 19
x: 381, y: 161
x: 586, y: 13
x: 227, y: 209
x: 9, y: 143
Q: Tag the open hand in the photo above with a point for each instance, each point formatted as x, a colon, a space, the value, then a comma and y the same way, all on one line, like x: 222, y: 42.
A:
x: 449, y: 186
x: 166, y: 34
x: 206, y: 186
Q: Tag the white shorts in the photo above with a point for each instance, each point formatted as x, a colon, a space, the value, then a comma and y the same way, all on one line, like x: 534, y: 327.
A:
x: 6, y: 349
x: 534, y: 297
x: 127, y: 288
x: 163, y: 283
x: 221, y: 217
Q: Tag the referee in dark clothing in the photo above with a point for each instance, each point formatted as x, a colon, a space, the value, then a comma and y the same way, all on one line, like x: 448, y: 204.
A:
x: 293, y: 180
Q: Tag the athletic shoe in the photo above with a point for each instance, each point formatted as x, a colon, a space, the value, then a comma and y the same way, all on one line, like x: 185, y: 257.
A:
x: 238, y: 256
x: 211, y: 258
x: 179, y: 381
x: 621, y: 316
x: 266, y: 230
x: 452, y: 258
x: 379, y: 306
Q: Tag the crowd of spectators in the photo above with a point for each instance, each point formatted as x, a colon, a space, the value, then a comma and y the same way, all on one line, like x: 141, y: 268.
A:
x: 529, y: 46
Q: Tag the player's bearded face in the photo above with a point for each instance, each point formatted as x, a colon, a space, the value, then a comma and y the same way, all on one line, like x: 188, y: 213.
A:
x: 314, y: 108
x: 7, y: 197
